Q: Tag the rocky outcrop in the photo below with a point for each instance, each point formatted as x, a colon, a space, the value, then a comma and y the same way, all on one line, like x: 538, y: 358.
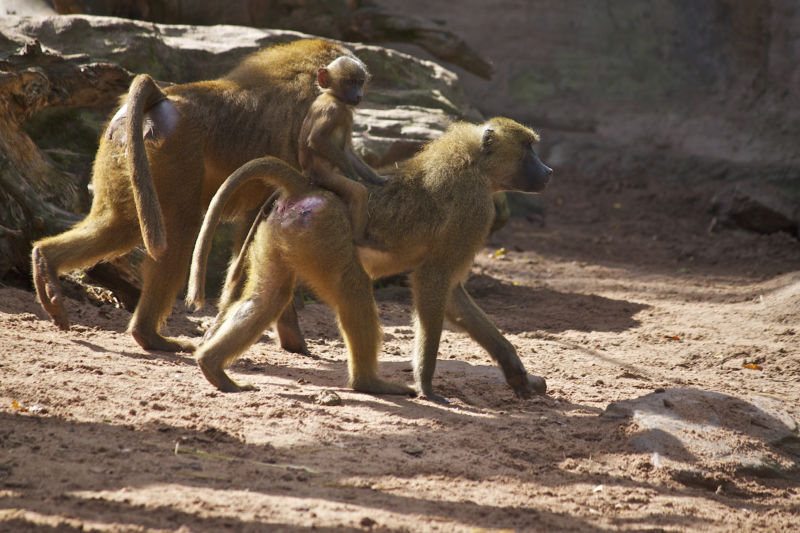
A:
x: 409, y: 101
x: 761, y: 209
x: 672, y: 88
x: 344, y: 20
x: 693, y: 76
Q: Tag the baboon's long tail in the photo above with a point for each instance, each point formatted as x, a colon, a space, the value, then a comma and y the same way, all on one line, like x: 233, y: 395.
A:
x: 235, y: 269
x: 270, y: 170
x: 142, y: 94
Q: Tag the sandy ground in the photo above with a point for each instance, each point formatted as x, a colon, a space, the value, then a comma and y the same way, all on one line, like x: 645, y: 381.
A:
x: 620, y: 297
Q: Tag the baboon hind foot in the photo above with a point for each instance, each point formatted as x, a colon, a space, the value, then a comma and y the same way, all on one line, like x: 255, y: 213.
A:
x: 48, y: 290
x: 152, y: 340
x: 217, y: 377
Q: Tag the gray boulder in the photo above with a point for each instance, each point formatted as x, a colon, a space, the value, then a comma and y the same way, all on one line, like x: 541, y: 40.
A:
x: 409, y: 100
x: 755, y: 208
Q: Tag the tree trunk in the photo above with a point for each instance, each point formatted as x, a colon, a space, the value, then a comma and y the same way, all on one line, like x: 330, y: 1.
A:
x: 36, y: 197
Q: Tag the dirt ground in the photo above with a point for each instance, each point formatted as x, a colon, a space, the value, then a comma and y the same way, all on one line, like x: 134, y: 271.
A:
x: 621, y: 295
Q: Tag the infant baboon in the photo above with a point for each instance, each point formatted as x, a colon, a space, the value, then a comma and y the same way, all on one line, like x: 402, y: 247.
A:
x: 326, y: 143
x: 160, y: 160
x: 433, y: 215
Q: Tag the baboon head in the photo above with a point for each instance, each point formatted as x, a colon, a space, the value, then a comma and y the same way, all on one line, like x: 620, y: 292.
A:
x: 345, y: 78
x: 511, y: 162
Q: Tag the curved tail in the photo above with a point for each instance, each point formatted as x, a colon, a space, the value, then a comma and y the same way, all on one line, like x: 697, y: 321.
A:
x: 272, y: 171
x: 142, y: 94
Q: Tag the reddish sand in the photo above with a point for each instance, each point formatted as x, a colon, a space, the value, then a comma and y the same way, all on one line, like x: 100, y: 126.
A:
x: 621, y: 294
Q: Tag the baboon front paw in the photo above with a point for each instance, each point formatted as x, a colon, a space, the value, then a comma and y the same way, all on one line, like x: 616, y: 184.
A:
x: 428, y: 394
x: 232, y: 386
x: 244, y: 387
x: 436, y: 398
x: 525, y: 385
x: 538, y: 384
x: 379, y: 386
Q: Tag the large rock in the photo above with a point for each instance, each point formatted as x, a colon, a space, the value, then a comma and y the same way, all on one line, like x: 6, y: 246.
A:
x: 688, y: 85
x: 695, y: 76
x: 404, y: 90
x: 344, y: 20
x: 756, y: 207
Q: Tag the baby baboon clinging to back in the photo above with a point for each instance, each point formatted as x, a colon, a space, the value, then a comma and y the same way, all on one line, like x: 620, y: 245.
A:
x: 433, y: 216
x: 326, y: 144
x: 160, y: 160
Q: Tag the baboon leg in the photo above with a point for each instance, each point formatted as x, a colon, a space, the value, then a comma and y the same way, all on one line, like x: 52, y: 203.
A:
x: 161, y: 282
x: 288, y: 326
x: 360, y: 326
x: 231, y: 290
x: 242, y: 325
x: 90, y: 241
x: 464, y: 312
x: 289, y: 332
x: 430, y: 289
x: 357, y: 208
x: 234, y: 281
x: 234, y: 277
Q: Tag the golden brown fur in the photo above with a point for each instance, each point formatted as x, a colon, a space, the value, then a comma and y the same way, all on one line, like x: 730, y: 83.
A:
x: 195, y: 135
x: 433, y: 215
x: 326, y: 145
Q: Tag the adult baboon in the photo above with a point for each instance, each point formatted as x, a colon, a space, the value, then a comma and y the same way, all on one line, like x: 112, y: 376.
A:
x: 433, y: 215
x: 161, y: 159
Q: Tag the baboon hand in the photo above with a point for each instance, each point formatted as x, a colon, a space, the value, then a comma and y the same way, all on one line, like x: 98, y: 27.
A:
x: 426, y: 392
x: 525, y: 385
x: 374, y: 385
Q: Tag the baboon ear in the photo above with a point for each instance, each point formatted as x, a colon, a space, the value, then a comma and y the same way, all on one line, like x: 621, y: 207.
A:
x: 322, y: 77
x: 487, y: 139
